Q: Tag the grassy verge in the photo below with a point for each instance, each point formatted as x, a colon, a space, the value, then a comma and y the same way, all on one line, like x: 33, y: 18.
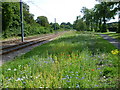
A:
x: 75, y: 60
x: 18, y: 37
x: 113, y: 35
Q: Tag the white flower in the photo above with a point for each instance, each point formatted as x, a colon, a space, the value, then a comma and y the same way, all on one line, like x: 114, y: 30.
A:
x: 23, y: 77
x: 15, y: 69
x: 38, y: 75
x: 9, y: 69
x: 19, y: 79
x: 104, y: 77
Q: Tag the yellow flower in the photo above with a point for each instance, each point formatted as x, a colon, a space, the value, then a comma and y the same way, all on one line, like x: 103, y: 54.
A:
x: 115, y: 51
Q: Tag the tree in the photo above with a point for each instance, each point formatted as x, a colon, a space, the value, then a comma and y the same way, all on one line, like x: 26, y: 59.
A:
x: 67, y: 25
x: 112, y: 26
x: 88, y: 17
x: 63, y: 23
x: 43, y: 21
x: 79, y: 25
x: 28, y: 18
x: 7, y: 13
x: 97, y: 17
x: 55, y: 26
x: 10, y: 18
x: 51, y: 23
x: 11, y: 21
x: 107, y: 10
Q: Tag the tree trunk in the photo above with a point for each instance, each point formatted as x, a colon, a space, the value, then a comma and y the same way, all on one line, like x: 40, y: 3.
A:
x: 96, y: 26
x: 100, y: 23
x: 118, y: 30
x: 104, y: 25
x: 104, y: 20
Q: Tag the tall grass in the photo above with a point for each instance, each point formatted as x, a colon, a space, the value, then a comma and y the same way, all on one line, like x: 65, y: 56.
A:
x: 75, y: 60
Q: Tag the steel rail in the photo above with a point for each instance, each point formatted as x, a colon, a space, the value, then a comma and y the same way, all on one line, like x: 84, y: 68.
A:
x: 12, y: 48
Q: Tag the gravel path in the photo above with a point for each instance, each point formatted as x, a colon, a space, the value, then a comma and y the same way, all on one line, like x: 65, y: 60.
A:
x: 115, y: 42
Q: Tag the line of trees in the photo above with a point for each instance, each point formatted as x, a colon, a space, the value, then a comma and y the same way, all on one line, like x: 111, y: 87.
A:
x: 96, y: 18
x: 11, y: 21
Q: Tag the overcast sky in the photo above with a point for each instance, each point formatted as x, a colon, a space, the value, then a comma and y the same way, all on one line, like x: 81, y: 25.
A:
x: 62, y: 10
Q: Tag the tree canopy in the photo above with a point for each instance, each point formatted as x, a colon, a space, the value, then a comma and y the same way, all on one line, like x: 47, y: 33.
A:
x: 96, y: 18
x: 43, y: 21
x: 11, y: 21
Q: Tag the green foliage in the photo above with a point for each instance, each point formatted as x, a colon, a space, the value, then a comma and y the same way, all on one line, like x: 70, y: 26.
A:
x: 112, y: 26
x: 8, y: 15
x: 11, y: 21
x: 55, y: 26
x: 67, y: 25
x: 35, y: 29
x: 88, y: 14
x: 97, y: 17
x: 43, y: 21
x: 79, y: 25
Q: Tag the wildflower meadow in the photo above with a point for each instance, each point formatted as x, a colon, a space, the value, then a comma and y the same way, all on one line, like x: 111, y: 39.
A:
x: 73, y: 60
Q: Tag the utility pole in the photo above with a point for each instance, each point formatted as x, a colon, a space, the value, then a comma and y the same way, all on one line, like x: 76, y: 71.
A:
x: 21, y: 20
x: 55, y: 23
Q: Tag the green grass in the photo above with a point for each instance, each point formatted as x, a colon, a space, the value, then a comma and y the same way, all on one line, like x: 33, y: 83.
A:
x: 113, y: 35
x: 75, y: 60
x: 19, y: 37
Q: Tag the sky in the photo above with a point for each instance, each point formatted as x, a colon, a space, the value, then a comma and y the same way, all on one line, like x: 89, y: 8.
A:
x: 62, y: 10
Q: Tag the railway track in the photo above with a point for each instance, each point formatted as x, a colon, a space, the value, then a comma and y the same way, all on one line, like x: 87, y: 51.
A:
x: 5, y: 43
x: 11, y: 48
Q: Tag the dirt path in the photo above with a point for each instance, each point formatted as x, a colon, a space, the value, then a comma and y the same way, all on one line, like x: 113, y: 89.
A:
x: 115, y: 42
